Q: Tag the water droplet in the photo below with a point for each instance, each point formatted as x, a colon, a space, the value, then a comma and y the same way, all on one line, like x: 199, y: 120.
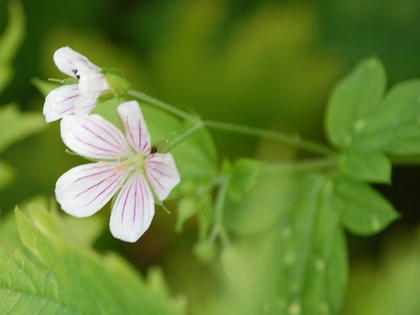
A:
x: 294, y: 308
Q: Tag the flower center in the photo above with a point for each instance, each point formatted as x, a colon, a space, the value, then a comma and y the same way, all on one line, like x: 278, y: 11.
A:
x: 136, y: 161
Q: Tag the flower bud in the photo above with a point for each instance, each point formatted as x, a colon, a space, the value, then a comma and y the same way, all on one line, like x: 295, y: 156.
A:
x: 118, y: 84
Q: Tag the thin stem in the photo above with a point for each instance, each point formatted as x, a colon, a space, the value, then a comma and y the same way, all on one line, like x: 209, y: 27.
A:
x: 218, y: 229
x: 160, y: 104
x: 186, y: 134
x: 274, y: 135
x: 240, y: 129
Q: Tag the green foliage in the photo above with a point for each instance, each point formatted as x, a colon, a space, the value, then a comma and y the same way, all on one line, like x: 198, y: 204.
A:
x: 10, y: 41
x: 299, y: 263
x: 361, y: 208
x: 242, y: 177
x: 14, y: 126
x: 359, y: 118
x: 354, y: 99
x: 57, y: 275
x: 6, y: 174
x: 370, y: 167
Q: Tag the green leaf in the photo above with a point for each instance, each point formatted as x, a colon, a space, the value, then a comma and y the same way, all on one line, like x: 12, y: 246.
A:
x: 11, y: 40
x: 354, y: 99
x: 196, y: 157
x: 59, y: 276
x: 401, y: 109
x: 361, y: 208
x: 300, y: 266
x: 6, y: 174
x: 370, y: 167
x: 243, y: 176
x: 15, y: 125
x: 44, y: 87
x: 275, y: 191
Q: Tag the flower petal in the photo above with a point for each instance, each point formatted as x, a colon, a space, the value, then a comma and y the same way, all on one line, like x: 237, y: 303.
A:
x: 135, y: 127
x: 93, y: 137
x: 85, y: 189
x: 61, y: 102
x: 162, y: 173
x: 91, y: 86
x: 133, y: 210
x: 71, y: 62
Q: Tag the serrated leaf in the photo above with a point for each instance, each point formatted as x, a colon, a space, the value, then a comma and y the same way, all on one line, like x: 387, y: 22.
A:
x: 243, y: 176
x: 371, y: 167
x: 15, y: 125
x: 61, y: 277
x: 355, y: 98
x: 11, y: 40
x: 361, y: 208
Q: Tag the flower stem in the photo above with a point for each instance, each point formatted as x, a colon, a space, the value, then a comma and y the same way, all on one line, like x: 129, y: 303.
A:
x: 160, y: 104
x: 240, y: 129
x: 218, y: 229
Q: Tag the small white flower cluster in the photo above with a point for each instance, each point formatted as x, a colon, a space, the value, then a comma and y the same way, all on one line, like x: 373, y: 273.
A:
x: 126, y: 164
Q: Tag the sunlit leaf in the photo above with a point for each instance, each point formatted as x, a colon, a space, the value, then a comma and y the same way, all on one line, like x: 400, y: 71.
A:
x: 61, y: 277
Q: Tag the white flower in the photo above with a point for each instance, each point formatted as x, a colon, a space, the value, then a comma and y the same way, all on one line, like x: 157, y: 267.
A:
x: 74, y: 98
x: 127, y: 164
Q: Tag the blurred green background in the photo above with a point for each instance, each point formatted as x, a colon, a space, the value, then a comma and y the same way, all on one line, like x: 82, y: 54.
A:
x: 263, y: 63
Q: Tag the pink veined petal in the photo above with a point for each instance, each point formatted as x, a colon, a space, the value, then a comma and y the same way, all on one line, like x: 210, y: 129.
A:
x: 135, y: 127
x: 133, y: 210
x: 91, y: 86
x: 162, y: 174
x: 85, y: 189
x: 93, y: 137
x: 71, y: 62
x: 60, y: 102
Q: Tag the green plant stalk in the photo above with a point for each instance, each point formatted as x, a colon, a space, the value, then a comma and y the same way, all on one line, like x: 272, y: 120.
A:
x: 218, y: 229
x: 240, y: 129
x: 160, y: 104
